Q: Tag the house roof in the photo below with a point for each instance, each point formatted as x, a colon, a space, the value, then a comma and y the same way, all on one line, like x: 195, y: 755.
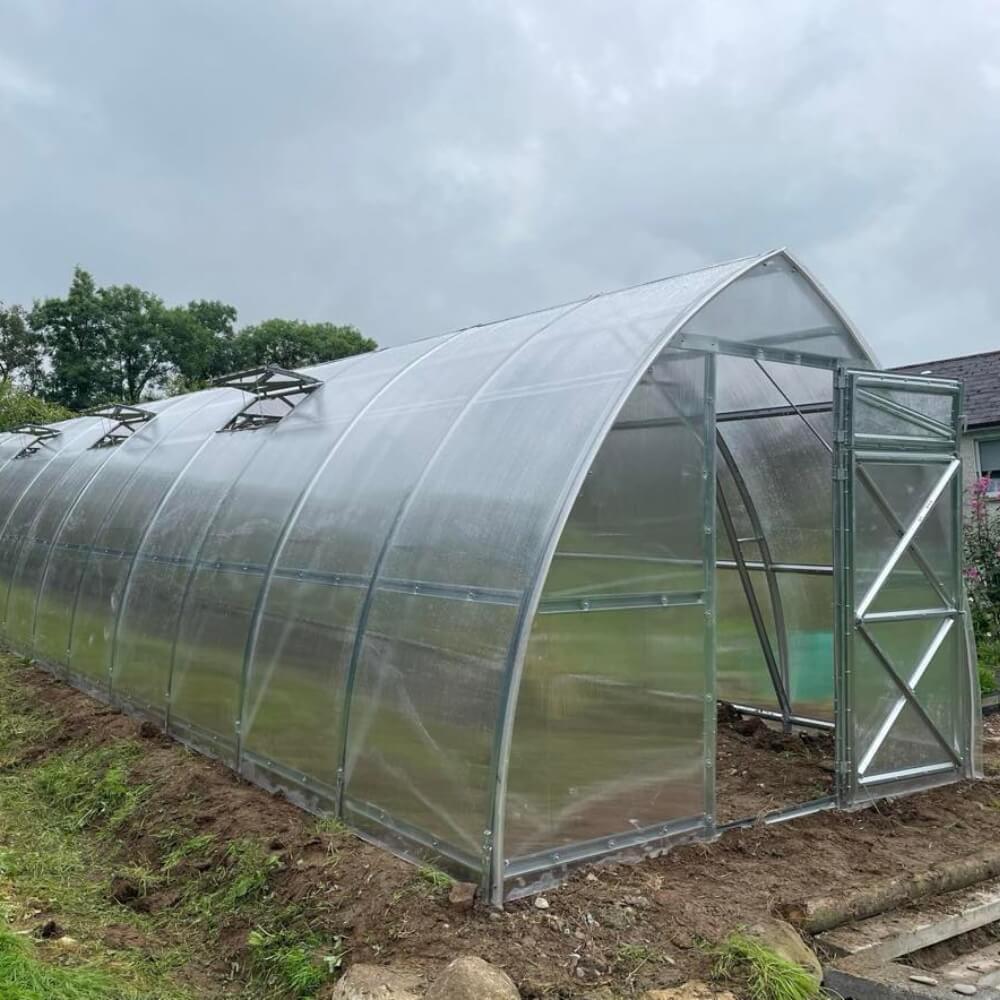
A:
x: 980, y: 374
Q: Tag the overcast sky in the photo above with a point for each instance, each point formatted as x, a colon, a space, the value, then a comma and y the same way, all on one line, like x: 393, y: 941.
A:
x: 415, y: 167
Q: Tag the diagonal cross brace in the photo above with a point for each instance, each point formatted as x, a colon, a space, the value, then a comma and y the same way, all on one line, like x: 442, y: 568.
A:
x: 907, y: 694
x: 907, y: 538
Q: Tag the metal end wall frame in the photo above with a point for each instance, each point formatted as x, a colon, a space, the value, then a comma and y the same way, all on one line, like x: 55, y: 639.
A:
x: 464, y: 593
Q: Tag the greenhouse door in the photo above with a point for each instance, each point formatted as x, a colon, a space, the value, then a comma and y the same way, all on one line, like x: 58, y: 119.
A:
x: 903, y: 694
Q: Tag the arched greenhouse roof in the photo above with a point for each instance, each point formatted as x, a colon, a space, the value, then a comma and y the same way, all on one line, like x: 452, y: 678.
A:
x: 339, y: 601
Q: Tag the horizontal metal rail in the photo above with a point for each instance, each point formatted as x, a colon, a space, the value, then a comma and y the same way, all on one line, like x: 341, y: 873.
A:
x: 802, y: 721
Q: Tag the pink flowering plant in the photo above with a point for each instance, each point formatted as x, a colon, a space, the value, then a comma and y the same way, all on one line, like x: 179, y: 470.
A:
x: 982, y: 581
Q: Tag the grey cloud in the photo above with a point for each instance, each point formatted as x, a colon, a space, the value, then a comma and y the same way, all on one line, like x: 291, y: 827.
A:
x: 412, y: 168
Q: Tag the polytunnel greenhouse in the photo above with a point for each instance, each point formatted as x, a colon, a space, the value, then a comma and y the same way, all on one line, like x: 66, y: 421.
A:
x: 481, y: 595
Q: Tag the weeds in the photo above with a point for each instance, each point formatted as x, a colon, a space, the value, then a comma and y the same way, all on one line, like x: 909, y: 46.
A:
x: 437, y: 881
x: 331, y: 825
x: 292, y: 965
x: 765, y: 974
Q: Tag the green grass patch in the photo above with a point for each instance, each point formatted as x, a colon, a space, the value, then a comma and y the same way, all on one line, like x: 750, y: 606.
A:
x: 90, y: 787
x: 763, y: 974
x: 26, y: 976
x: 292, y: 966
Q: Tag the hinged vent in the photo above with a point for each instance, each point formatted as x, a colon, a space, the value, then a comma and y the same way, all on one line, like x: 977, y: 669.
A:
x: 38, y: 434
x: 274, y: 393
x: 126, y: 419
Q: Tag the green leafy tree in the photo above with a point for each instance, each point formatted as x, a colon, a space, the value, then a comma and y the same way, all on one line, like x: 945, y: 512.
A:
x: 202, y: 343
x: 292, y: 343
x: 18, y: 406
x: 21, y: 348
x: 104, y: 344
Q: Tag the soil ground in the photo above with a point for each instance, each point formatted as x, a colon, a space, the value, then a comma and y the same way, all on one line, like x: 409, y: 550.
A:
x: 181, y: 901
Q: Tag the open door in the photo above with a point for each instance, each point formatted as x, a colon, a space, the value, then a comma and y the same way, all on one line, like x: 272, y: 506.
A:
x: 904, y: 701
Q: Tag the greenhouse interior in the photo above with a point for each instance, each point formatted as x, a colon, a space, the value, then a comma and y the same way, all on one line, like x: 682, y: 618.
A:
x: 487, y: 597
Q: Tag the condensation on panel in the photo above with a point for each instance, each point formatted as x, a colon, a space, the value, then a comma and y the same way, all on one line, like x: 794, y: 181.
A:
x: 84, y: 520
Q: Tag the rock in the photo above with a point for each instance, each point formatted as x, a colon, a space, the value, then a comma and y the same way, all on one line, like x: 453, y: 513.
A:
x: 541, y: 903
x: 462, y: 895
x: 376, y: 982
x: 924, y: 980
x: 783, y: 939
x: 693, y: 990
x: 591, y: 877
x: 470, y: 978
x: 966, y: 989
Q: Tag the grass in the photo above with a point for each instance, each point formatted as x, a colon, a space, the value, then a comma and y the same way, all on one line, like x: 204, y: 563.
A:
x: 763, y: 974
x: 297, y: 967
x: 24, y: 976
x: 90, y: 787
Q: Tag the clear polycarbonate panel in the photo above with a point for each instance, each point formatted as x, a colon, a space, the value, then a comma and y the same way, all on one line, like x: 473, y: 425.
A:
x: 889, y: 733
x: 49, y: 466
x: 478, y: 520
x: 917, y: 416
x: 774, y: 305
x: 807, y: 605
x: 608, y: 736
x: 902, y: 490
x: 41, y: 534
x: 84, y: 520
x: 787, y: 472
x: 202, y: 702
x: 589, y: 665
x: 741, y: 671
x: 327, y: 560
x: 106, y: 573
x: 239, y: 548
x: 624, y: 535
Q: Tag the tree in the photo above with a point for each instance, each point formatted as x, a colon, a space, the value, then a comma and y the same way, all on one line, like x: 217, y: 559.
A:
x: 20, y: 348
x: 104, y: 344
x: 292, y: 343
x: 201, y: 343
x: 18, y: 406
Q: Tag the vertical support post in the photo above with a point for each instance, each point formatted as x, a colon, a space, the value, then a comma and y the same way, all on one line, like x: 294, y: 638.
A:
x: 843, y: 576
x: 709, y: 550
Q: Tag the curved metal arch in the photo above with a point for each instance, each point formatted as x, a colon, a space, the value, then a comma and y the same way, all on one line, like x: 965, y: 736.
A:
x: 72, y: 504
x: 90, y: 424
x: 493, y: 874
x: 526, y: 613
x: 106, y: 519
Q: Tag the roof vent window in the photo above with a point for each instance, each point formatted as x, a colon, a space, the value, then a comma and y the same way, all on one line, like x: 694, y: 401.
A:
x: 126, y: 420
x: 274, y: 392
x: 38, y: 433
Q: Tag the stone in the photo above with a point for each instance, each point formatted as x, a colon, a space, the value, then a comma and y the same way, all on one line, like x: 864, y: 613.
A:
x: 695, y: 989
x: 462, y: 895
x: 376, y: 982
x: 541, y: 903
x: 471, y: 978
x: 924, y: 980
x: 784, y: 940
x: 966, y: 989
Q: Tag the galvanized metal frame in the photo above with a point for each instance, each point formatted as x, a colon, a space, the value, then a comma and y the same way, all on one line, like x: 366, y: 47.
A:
x: 501, y: 875
x: 125, y: 421
x: 853, y: 449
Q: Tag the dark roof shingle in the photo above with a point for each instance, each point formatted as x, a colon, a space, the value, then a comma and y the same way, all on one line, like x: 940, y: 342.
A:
x: 980, y: 374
